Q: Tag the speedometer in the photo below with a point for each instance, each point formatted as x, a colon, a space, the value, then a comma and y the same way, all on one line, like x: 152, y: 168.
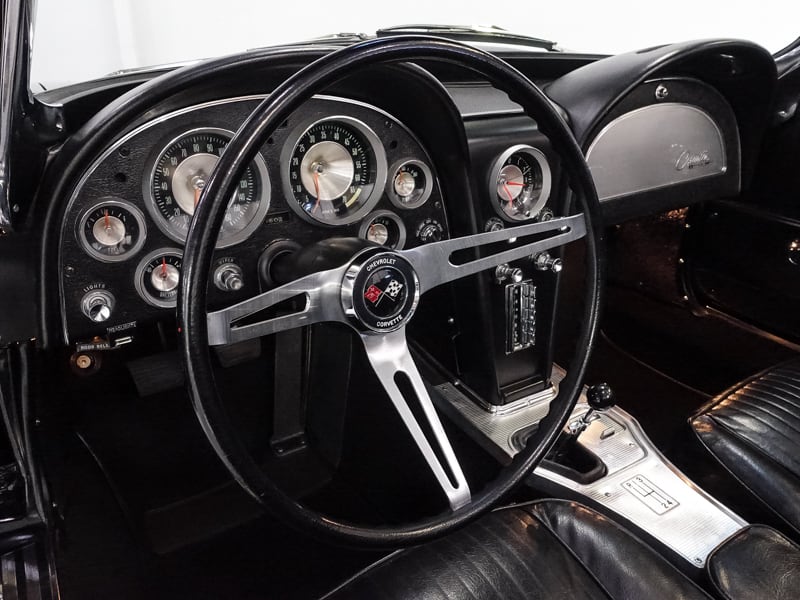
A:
x: 336, y: 171
x: 180, y: 173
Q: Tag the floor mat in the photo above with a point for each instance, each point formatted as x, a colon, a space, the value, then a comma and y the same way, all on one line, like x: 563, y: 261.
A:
x: 706, y: 353
x: 259, y: 561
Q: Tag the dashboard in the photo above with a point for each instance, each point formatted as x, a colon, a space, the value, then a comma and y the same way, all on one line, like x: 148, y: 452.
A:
x: 398, y: 156
x: 338, y: 167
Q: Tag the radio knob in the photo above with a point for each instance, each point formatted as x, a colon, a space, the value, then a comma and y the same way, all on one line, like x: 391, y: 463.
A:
x: 98, y: 305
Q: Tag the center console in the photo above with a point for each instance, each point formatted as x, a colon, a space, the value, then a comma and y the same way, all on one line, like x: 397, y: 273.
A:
x: 638, y: 483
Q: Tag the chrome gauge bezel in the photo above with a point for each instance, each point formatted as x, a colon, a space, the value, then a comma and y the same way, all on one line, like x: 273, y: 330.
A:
x: 124, y: 204
x: 426, y: 193
x: 139, y: 277
x: 381, y: 169
x: 547, y: 180
x: 180, y: 237
x: 401, y: 228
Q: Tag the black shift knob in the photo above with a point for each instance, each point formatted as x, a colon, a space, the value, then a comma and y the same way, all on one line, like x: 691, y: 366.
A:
x: 600, y: 396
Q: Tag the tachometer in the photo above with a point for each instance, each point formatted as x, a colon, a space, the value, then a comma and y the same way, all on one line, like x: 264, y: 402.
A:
x: 179, y: 175
x: 519, y: 183
x: 336, y: 171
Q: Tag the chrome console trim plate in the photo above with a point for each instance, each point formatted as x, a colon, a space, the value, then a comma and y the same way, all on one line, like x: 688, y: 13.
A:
x: 641, y: 485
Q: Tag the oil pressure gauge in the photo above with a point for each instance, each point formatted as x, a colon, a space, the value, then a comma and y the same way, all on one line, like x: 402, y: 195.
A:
x: 158, y: 277
x: 519, y: 183
x: 112, y: 230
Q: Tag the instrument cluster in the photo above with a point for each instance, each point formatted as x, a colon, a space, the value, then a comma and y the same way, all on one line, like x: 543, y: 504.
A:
x: 336, y: 168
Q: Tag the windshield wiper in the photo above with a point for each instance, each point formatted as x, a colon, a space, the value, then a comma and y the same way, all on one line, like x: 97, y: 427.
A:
x: 472, y: 34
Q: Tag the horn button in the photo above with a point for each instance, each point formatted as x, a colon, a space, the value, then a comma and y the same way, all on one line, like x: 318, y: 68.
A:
x: 380, y: 292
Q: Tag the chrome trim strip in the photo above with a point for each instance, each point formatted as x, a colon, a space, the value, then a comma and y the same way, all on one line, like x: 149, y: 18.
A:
x: 8, y: 75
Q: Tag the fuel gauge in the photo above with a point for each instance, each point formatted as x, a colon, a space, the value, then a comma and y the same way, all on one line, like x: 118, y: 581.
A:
x: 411, y: 184
x: 112, y: 230
x: 384, y: 228
x: 158, y: 276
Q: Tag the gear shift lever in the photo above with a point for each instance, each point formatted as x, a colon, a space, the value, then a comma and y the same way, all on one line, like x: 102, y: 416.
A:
x: 600, y: 397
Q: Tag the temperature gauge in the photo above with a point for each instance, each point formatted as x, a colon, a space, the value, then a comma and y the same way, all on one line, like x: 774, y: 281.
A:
x: 519, y: 183
x: 112, y: 230
x: 411, y: 184
x: 158, y: 276
x: 385, y: 229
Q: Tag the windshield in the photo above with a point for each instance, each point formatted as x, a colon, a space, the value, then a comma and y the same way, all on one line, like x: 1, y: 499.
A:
x: 77, y: 40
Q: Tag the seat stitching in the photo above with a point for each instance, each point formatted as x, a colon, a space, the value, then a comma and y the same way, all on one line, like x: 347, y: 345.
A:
x: 750, y: 488
x: 779, y: 382
x: 743, y: 404
x: 771, y: 389
x: 740, y: 435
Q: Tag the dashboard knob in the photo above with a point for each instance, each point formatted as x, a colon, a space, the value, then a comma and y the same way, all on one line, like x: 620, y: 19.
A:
x: 228, y: 277
x: 98, y: 305
x: 430, y: 231
x: 505, y: 272
x: 544, y: 262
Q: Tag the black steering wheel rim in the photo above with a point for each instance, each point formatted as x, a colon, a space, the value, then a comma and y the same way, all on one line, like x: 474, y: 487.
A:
x: 207, y: 221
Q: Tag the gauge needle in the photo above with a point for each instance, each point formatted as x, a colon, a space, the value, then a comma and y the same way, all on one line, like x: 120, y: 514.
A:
x: 107, y: 221
x: 163, y: 268
x: 198, y: 191
x: 316, y: 190
x: 508, y: 193
x: 515, y: 183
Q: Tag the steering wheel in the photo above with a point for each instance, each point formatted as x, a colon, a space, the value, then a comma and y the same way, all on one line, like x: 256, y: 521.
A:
x: 342, y: 294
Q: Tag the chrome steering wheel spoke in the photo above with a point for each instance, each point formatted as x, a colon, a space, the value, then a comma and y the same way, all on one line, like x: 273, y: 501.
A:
x: 319, y: 292
x: 391, y: 360
x: 434, y: 262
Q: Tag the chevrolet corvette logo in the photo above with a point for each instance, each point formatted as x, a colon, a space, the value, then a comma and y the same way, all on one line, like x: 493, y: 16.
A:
x: 692, y: 160
x: 394, y: 288
x: 373, y: 293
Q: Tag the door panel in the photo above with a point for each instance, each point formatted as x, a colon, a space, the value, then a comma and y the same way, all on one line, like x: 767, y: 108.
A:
x: 743, y: 255
x: 742, y: 264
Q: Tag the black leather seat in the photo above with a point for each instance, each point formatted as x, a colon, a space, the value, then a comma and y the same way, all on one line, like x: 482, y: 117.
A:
x: 549, y: 549
x: 753, y: 430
